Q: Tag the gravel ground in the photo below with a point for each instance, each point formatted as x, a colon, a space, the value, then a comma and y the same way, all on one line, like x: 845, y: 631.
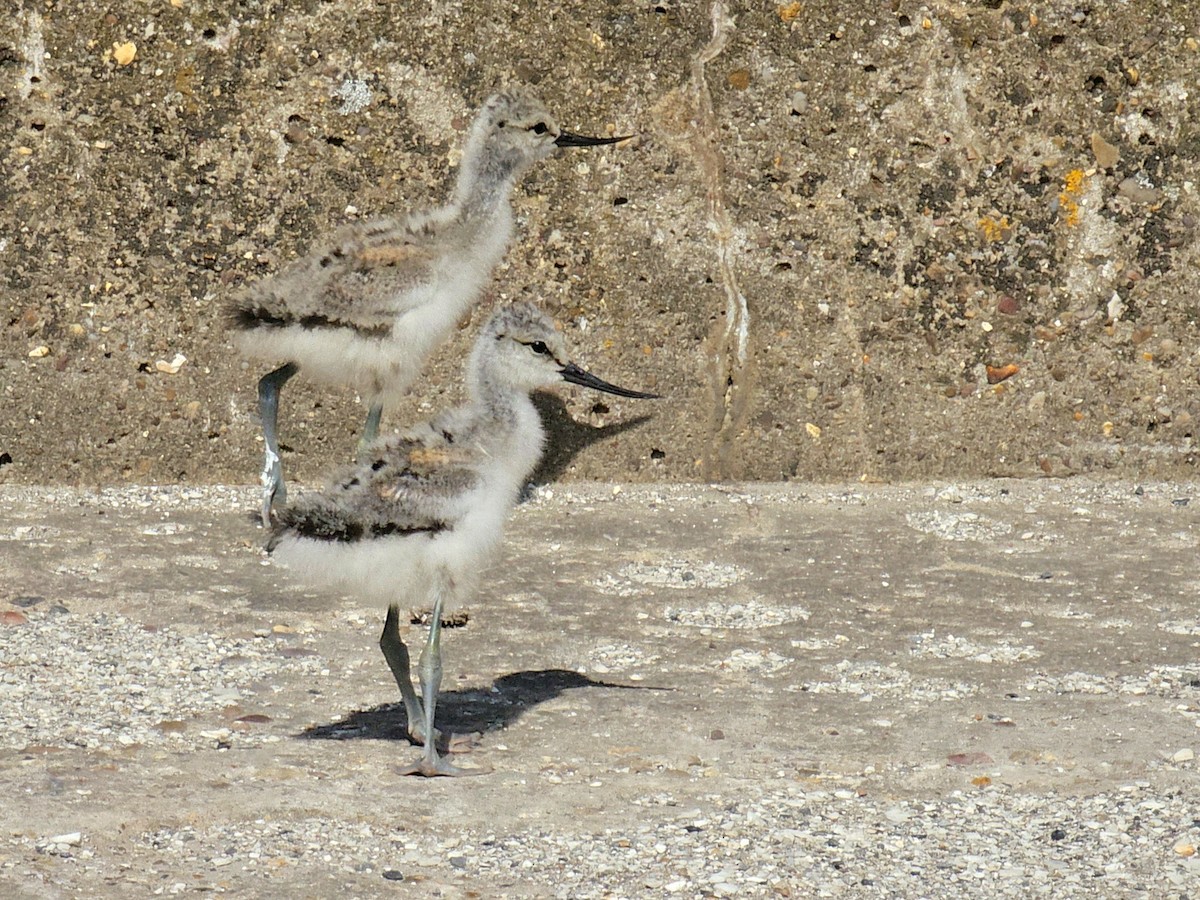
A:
x: 683, y: 691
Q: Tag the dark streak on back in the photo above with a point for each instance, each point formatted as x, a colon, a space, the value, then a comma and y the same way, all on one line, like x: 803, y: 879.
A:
x: 251, y: 318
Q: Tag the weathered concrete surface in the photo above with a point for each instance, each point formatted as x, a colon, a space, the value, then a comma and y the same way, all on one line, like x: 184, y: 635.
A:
x: 836, y: 217
x: 989, y: 689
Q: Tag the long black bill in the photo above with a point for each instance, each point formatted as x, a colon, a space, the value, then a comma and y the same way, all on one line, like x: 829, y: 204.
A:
x: 572, y: 373
x: 566, y: 139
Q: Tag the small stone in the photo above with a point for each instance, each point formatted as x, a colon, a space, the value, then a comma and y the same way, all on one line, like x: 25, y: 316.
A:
x: 1057, y: 834
x: 172, y: 367
x: 1184, y: 755
x: 1137, y: 192
x: 39, y: 352
x: 716, y: 735
x: 12, y: 617
x: 1106, y: 154
x: 393, y: 875
x: 125, y: 53
x: 1008, y: 305
x: 70, y: 839
x: 974, y: 758
x: 997, y: 374
x: 1185, y: 848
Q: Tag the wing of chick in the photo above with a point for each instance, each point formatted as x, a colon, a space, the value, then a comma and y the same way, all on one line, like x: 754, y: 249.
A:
x: 363, y: 277
x: 405, y: 485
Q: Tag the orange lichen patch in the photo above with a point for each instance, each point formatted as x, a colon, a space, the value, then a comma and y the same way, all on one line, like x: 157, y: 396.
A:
x: 739, y: 79
x: 994, y: 230
x: 1072, y: 188
x: 981, y: 781
x: 1077, y: 416
x: 790, y: 12
x: 997, y: 374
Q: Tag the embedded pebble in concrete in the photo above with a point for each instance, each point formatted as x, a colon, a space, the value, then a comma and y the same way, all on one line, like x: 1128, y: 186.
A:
x: 743, y: 614
x: 1181, y: 626
x: 1120, y: 843
x: 950, y: 646
x: 1173, y: 682
x: 958, y: 525
x: 640, y: 578
x: 618, y: 657
x: 870, y: 680
x: 102, y: 681
x: 762, y: 662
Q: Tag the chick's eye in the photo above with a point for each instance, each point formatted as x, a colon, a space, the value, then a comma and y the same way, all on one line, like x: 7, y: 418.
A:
x: 539, y: 128
x: 539, y: 347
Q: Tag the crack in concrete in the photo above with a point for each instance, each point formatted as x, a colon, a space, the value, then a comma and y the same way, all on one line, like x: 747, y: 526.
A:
x: 730, y: 370
x: 33, y: 48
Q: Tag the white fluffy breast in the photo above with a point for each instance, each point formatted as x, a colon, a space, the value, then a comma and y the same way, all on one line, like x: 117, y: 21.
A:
x: 401, y: 568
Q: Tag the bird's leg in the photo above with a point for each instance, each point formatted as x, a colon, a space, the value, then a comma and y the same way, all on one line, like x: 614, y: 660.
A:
x: 268, y: 407
x: 430, y: 669
x: 396, y: 655
x: 370, y: 427
x: 397, y: 658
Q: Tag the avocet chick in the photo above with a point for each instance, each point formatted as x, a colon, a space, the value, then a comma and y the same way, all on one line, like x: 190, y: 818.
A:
x: 368, y: 305
x: 422, y: 513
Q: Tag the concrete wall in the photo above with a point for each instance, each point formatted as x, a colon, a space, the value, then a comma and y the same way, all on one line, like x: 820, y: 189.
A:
x: 837, y: 217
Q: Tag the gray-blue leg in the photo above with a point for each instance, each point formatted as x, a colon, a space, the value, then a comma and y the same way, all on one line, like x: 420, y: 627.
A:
x: 370, y: 427
x: 397, y: 658
x: 396, y: 655
x: 431, y: 764
x: 268, y: 408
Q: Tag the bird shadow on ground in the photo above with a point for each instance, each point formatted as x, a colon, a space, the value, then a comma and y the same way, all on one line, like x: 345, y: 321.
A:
x: 480, y: 710
x: 566, y: 438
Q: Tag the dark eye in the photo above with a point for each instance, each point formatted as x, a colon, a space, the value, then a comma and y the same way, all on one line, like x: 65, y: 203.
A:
x: 539, y: 347
x: 501, y: 123
x: 539, y: 128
